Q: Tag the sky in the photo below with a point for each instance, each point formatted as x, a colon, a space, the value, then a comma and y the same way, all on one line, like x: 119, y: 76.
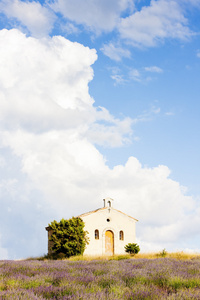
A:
x: 99, y: 98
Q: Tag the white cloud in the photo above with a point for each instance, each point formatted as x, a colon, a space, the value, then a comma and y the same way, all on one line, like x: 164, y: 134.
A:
x: 3, y: 252
x: 69, y: 28
x: 115, y: 52
x: 51, y: 168
x: 115, y: 135
x: 2, y: 161
x: 118, y: 79
x: 153, y: 69
x: 117, y: 76
x: 57, y: 72
x: 46, y: 87
x: 73, y: 177
x: 100, y: 15
x: 150, y: 26
x: 37, y: 18
x: 195, y: 3
x: 134, y: 74
x: 169, y: 113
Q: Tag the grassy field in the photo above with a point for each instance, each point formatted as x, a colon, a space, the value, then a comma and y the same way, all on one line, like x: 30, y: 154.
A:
x: 145, y: 276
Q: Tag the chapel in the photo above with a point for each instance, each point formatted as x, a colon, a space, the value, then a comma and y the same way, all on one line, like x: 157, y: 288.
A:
x: 109, y: 230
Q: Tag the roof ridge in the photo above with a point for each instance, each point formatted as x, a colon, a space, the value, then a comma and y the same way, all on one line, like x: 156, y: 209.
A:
x: 98, y: 209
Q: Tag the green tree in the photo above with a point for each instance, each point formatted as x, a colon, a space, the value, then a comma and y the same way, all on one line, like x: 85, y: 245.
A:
x: 68, y: 237
x: 132, y: 248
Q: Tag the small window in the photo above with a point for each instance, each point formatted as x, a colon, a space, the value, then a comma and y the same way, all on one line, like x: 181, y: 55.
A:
x: 108, y: 220
x: 121, y: 235
x: 109, y: 203
x: 96, y: 234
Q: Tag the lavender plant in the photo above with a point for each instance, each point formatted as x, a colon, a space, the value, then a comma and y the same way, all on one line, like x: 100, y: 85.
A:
x: 161, y: 278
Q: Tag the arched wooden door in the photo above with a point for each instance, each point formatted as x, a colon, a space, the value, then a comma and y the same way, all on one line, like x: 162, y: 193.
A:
x: 109, y: 242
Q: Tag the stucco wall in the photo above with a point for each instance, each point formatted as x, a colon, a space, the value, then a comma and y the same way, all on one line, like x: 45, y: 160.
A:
x: 50, y: 243
x: 118, y: 221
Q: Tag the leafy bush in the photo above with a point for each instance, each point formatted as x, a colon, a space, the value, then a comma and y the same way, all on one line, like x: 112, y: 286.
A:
x: 68, y: 238
x: 132, y: 248
x: 162, y: 253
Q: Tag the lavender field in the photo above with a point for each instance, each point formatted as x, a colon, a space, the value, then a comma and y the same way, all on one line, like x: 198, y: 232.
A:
x: 161, y: 278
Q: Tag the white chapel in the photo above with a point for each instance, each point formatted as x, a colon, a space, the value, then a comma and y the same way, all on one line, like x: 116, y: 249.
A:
x: 109, y: 230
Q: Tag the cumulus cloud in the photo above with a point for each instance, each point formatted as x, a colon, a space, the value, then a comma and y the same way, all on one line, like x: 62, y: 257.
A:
x: 72, y: 176
x: 47, y: 86
x: 36, y: 18
x: 100, y: 15
x: 3, y: 252
x: 152, y: 24
x: 50, y: 167
x: 115, y: 135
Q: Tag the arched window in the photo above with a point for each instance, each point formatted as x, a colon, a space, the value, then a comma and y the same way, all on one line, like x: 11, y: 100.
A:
x: 121, y: 235
x: 96, y: 234
x: 109, y: 203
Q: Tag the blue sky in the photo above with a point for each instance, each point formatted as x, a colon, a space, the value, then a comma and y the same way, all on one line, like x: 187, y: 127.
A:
x: 99, y: 99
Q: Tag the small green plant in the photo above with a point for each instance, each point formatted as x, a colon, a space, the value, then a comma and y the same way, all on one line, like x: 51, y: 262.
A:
x: 132, y: 248
x: 162, y: 253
